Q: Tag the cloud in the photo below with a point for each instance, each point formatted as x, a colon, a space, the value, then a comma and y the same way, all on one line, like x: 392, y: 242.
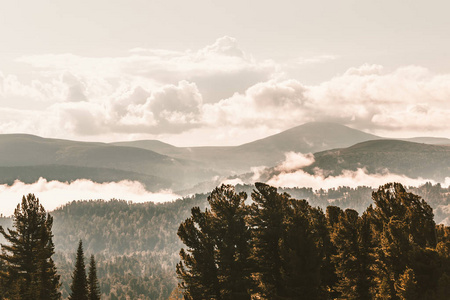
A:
x: 295, y: 161
x: 409, y: 99
x: 356, y: 178
x: 219, y: 69
x: 289, y: 173
x: 219, y: 89
x: 53, y: 194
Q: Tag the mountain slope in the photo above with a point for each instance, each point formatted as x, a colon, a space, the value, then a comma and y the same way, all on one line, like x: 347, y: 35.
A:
x: 18, y: 150
x: 152, y: 145
x: 306, y: 138
x: 400, y: 157
x: 64, y: 173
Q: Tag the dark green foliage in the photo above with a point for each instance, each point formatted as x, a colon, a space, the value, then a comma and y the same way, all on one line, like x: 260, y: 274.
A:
x: 27, y: 269
x: 215, y: 265
x: 79, y: 287
x: 352, y: 259
x: 266, y: 219
x: 300, y: 251
x: 393, y: 251
x: 403, y: 231
x: 93, y: 287
x: 136, y: 247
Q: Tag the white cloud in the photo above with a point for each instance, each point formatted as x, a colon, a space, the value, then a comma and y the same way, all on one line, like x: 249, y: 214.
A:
x: 295, y: 161
x: 153, y: 92
x: 290, y: 174
x: 356, y: 178
x: 53, y: 194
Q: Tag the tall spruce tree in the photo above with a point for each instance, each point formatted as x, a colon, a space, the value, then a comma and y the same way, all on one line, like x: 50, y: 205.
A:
x: 352, y: 256
x: 93, y: 288
x: 402, y: 229
x: 267, y: 222
x: 28, y: 269
x: 215, y: 265
x: 79, y: 287
x: 301, y: 251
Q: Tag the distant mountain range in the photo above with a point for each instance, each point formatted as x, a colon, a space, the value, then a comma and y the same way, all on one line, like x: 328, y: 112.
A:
x: 307, y: 138
x: 30, y: 157
x: 160, y: 165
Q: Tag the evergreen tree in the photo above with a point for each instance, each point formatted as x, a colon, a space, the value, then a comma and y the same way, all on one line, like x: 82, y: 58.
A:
x: 266, y: 220
x: 215, y: 266
x: 79, y: 287
x: 29, y: 271
x: 197, y: 269
x: 351, y: 259
x: 231, y: 232
x: 93, y: 288
x: 329, y: 276
x: 300, y: 251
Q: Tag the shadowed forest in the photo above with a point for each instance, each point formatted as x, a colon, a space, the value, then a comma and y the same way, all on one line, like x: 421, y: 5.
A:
x: 338, y: 244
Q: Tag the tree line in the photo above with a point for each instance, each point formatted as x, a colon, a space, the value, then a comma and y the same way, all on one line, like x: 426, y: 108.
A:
x: 277, y: 247
x: 27, y: 269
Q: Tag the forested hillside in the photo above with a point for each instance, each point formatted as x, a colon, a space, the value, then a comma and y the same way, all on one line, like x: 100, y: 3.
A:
x: 136, y: 245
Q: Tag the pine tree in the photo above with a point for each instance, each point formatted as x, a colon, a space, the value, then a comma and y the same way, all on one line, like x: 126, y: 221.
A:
x: 215, y: 265
x: 29, y: 271
x: 228, y: 214
x: 300, y: 251
x: 329, y: 276
x: 351, y: 259
x: 79, y: 287
x: 405, y: 236
x: 93, y: 288
x: 266, y: 220
x: 197, y: 269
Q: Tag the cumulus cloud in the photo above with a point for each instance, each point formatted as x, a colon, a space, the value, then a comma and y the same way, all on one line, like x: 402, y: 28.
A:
x: 53, y: 194
x: 409, y: 99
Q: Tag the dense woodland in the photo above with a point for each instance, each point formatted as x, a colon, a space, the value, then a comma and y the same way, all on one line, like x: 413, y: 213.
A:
x: 136, y: 245
x: 278, y: 247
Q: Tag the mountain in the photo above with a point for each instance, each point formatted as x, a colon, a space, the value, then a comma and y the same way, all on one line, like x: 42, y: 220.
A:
x: 407, y: 158
x: 152, y: 145
x: 72, y: 157
x: 306, y: 138
x: 64, y: 173
x: 160, y: 165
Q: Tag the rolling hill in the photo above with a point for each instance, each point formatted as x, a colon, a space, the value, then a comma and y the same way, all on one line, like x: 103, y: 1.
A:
x: 160, y: 165
x: 306, y: 138
x: 45, y: 156
x: 411, y: 159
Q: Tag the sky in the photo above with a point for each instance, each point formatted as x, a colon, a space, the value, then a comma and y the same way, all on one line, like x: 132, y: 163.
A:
x: 222, y: 72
